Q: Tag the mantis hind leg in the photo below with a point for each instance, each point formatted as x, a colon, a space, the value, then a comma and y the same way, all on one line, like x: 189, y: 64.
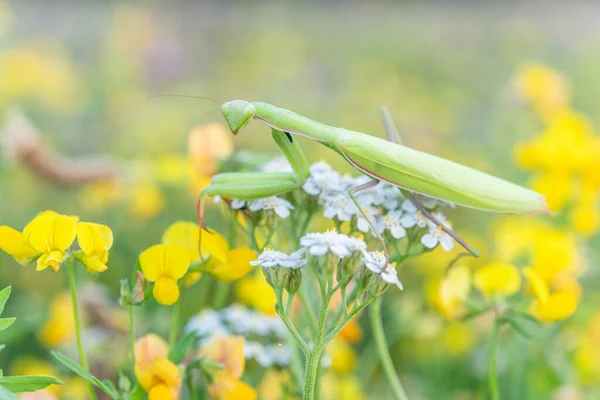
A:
x: 394, y: 136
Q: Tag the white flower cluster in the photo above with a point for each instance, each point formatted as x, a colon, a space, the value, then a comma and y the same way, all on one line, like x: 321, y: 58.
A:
x: 265, y: 334
x: 319, y: 244
x: 384, y: 205
x: 376, y: 262
x: 271, y: 258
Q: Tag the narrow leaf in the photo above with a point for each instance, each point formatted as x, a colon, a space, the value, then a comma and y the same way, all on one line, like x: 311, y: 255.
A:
x: 181, y: 347
x: 4, y: 295
x: 6, y: 322
x: 6, y: 394
x: 79, y: 370
x: 31, y: 383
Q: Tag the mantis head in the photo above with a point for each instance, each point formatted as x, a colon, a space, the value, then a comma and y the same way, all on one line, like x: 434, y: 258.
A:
x: 237, y: 113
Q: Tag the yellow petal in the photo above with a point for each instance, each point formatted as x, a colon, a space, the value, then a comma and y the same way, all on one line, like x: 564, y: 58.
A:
x: 229, y: 351
x: 215, y: 245
x: 149, y: 347
x: 144, y: 375
x: 226, y: 388
x: 16, y: 244
x: 539, y: 286
x: 94, y: 263
x: 558, y: 307
x: 164, y: 261
x: 185, y: 234
x: 237, y: 266
x: 166, y: 291
x: 497, y: 278
x: 94, y: 239
x: 162, y: 392
x: 52, y: 260
x: 52, y: 232
x: 166, y: 372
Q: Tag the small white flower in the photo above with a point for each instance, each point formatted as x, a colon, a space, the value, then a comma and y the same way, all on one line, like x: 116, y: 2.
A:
x: 278, y: 164
x: 409, y: 207
x: 280, y: 354
x: 437, y: 235
x: 392, y: 196
x: 375, y: 261
x: 356, y: 244
x: 361, y: 223
x: 410, y: 219
x: 281, y: 206
x: 238, y: 204
x: 319, y: 244
x: 323, y: 179
x: 208, y: 322
x: 272, y: 258
x: 391, y: 222
x: 338, y: 205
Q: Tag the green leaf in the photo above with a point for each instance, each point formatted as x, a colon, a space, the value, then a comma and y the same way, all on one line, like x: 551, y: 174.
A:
x: 71, y: 364
x: 136, y: 394
x: 6, y: 394
x: 6, y: 322
x: 517, y: 327
x: 181, y: 347
x: 4, y: 295
x: 31, y: 383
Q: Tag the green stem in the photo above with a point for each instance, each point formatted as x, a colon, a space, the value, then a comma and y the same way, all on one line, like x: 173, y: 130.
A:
x: 383, y: 350
x: 174, y: 325
x: 220, y: 295
x: 313, y: 361
x: 492, y: 353
x: 345, y: 320
x: 82, y: 358
x: 131, y: 336
x: 288, y: 322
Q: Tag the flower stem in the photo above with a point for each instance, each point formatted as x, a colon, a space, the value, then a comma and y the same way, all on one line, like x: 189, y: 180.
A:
x: 383, y: 350
x: 174, y: 324
x: 82, y: 358
x: 314, y: 356
x: 492, y: 353
x: 131, y: 336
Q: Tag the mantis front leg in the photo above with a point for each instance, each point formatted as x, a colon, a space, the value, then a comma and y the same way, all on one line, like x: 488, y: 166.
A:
x: 255, y: 185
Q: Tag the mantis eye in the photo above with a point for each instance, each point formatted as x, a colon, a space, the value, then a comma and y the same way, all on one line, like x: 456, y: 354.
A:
x: 238, y: 113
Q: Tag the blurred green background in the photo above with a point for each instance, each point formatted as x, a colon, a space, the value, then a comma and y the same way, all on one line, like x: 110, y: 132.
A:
x: 81, y: 73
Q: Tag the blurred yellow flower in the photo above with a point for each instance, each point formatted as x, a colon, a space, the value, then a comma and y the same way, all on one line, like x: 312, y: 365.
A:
x: 226, y: 383
x: 587, y: 360
x: 557, y: 187
x: 458, y: 338
x: 146, y: 200
x: 165, y: 265
x: 547, y: 307
x: 351, y: 332
x: 225, y: 264
x: 553, y: 252
x: 59, y: 328
x: 544, y: 87
x: 207, y: 144
x: 585, y: 215
x: 35, y: 366
x: 254, y: 291
x: 154, y: 372
x: 336, y: 386
x: 343, y: 357
x: 95, y: 240
x: 273, y: 386
x: 52, y: 234
x: 497, y: 278
x: 448, y: 294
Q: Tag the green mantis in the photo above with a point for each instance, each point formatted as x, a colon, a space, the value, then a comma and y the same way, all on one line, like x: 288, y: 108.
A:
x: 406, y: 168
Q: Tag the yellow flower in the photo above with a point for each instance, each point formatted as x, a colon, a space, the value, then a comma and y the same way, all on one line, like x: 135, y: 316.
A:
x: 226, y: 383
x: 94, y: 240
x: 60, y: 326
x: 146, y: 200
x: 345, y: 387
x: 273, y: 384
x: 547, y: 307
x: 16, y: 244
x: 343, y: 357
x: 497, y: 278
x: 207, y: 144
x: 351, y: 332
x: 557, y: 188
x: 165, y: 265
x: 154, y: 372
x: 554, y: 252
x: 543, y: 86
x: 52, y: 234
x: 458, y: 338
x: 253, y: 290
x: 225, y: 264
x: 449, y: 293
x: 185, y: 234
x: 585, y: 215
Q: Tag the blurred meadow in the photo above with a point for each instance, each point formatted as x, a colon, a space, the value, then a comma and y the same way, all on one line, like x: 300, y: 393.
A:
x: 510, y: 88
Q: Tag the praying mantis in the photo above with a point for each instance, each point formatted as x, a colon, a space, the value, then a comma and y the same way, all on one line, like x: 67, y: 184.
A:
x: 410, y: 170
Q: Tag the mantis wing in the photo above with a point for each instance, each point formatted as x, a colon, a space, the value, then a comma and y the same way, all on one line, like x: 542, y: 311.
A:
x: 435, y: 176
